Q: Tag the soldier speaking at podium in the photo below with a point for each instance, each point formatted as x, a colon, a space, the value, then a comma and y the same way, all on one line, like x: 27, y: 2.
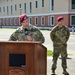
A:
x: 27, y: 32
x: 59, y: 36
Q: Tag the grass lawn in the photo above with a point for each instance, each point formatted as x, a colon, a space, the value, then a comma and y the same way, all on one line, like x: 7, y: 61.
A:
x: 49, y: 52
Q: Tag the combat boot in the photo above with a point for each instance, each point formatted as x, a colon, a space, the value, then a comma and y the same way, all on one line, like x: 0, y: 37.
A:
x: 65, y: 72
x: 53, y: 72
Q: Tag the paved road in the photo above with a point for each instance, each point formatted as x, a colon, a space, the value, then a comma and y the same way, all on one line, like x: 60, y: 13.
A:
x: 5, y: 34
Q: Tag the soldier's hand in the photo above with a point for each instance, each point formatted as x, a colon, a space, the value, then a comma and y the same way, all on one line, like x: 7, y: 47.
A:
x: 29, y: 38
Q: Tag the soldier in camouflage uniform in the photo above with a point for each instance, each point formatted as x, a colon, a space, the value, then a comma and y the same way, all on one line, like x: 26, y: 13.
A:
x: 60, y: 35
x: 27, y: 32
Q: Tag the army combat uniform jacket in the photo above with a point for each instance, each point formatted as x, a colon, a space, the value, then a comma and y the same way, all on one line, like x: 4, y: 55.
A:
x: 59, y: 35
x: 21, y: 33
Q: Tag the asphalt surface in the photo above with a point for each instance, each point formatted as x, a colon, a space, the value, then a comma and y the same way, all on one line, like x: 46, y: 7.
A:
x: 5, y: 34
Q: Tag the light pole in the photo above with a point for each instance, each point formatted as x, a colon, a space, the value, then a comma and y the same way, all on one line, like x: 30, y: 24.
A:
x: 20, y: 11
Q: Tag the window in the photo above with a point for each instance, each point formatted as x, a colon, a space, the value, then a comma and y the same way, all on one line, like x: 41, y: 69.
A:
x: 11, y: 9
x: 52, y: 5
x: 0, y: 21
x: 72, y: 21
x: 30, y: 7
x: 15, y: 7
x: 3, y: 9
x: 19, y: 5
x: 24, y: 7
x: 36, y: 4
x: 10, y: 21
x: 3, y: 21
x: 52, y: 20
x: 6, y: 22
x: 7, y: 10
x: 36, y: 20
x: 30, y: 19
x: 7, y: 0
x: 42, y: 3
x: 72, y: 4
x: 42, y: 20
x: 15, y: 21
x: 0, y: 9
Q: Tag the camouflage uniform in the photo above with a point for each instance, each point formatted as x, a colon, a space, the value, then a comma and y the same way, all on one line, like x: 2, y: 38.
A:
x: 59, y: 36
x: 21, y: 33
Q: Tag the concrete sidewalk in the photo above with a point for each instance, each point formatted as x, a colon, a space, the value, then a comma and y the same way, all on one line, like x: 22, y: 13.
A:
x: 70, y: 64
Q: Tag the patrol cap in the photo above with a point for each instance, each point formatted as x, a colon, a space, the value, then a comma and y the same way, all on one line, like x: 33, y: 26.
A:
x: 60, y: 18
x: 23, y: 17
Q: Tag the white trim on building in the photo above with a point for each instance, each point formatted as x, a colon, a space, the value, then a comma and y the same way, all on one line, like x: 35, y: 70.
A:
x: 47, y: 14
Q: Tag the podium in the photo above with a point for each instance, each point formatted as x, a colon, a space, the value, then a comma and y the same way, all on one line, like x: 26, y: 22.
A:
x: 22, y: 58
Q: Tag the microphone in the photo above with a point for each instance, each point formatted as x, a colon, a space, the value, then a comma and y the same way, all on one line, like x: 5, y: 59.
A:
x: 30, y: 30
x: 26, y: 31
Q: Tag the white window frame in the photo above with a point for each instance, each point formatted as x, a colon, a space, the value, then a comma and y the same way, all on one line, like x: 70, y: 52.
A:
x: 7, y: 0
x: 6, y: 21
x: 15, y: 21
x: 3, y: 9
x: 11, y: 12
x: 35, y: 4
x: 70, y: 20
x: 0, y: 9
x: 20, y: 5
x: 30, y: 10
x: 31, y: 20
x: 51, y: 6
x: 16, y: 7
x: 3, y: 21
x: 11, y: 21
x: 44, y: 4
x: 71, y: 5
x: 7, y: 10
x: 35, y: 20
x: 41, y: 20
x: 25, y: 10
x: 51, y: 21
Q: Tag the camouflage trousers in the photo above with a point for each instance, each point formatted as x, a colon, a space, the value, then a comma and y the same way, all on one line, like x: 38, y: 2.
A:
x: 59, y: 50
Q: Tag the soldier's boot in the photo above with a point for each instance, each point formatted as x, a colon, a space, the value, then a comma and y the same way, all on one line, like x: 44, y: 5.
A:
x: 53, y: 72
x: 65, y: 72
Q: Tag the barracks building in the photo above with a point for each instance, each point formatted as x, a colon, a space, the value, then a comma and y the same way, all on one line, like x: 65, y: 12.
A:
x: 42, y: 13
